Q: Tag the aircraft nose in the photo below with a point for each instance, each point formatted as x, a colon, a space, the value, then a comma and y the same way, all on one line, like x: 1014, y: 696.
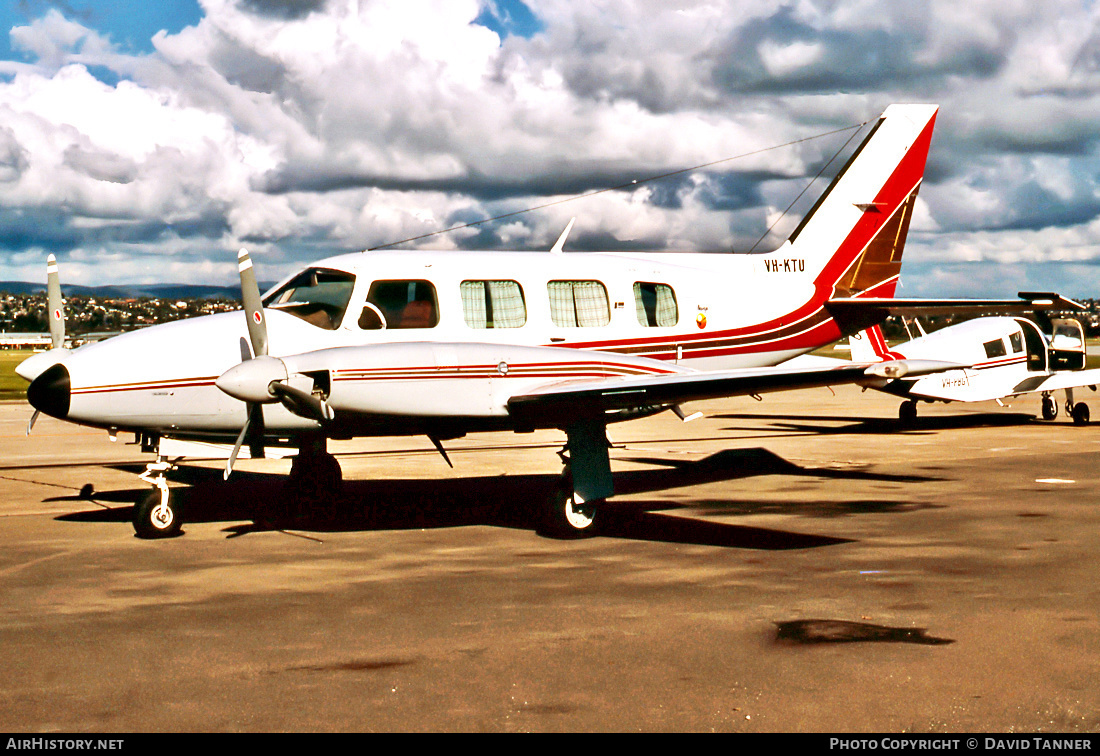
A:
x: 50, y: 392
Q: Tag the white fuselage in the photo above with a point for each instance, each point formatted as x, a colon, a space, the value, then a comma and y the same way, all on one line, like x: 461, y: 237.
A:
x: 729, y: 311
x: 1004, y: 356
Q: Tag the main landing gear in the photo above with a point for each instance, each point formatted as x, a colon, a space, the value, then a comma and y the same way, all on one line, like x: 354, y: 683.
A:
x: 573, y: 506
x: 907, y: 413
x: 566, y: 514
x: 315, y: 482
x: 1079, y: 411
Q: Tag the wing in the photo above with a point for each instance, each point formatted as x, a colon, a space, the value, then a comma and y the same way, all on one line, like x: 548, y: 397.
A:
x: 1061, y: 380
x: 958, y: 386
x: 562, y: 402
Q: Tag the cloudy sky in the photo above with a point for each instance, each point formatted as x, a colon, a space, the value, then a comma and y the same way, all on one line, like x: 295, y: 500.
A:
x: 148, y: 141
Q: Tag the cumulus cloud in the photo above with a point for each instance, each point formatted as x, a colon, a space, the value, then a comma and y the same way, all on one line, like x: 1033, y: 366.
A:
x: 308, y: 127
x: 54, y: 39
x: 13, y: 158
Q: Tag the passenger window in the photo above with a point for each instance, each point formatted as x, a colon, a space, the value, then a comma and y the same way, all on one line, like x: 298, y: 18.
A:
x: 995, y: 348
x: 580, y: 304
x: 493, y: 304
x: 400, y: 304
x: 655, y: 305
x: 1017, y: 340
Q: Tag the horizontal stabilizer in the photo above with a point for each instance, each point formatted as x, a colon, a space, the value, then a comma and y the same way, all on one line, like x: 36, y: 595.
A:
x: 858, y: 313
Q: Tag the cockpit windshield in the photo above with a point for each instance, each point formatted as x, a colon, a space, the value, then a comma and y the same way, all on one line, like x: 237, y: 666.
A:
x: 317, y: 296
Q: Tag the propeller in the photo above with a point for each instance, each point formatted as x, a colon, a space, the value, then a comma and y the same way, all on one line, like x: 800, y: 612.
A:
x: 53, y: 301
x: 37, y: 364
x: 253, y: 307
x: 260, y: 378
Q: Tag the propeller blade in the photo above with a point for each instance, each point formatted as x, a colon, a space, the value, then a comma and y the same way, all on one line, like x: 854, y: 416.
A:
x: 301, y: 403
x: 256, y: 431
x: 253, y: 307
x: 253, y: 432
x: 248, y: 380
x: 236, y: 449
x: 30, y: 425
x: 53, y: 301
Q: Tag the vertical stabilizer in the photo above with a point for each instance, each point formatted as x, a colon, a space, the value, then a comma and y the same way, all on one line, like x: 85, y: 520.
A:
x: 856, y: 232
x: 869, y: 345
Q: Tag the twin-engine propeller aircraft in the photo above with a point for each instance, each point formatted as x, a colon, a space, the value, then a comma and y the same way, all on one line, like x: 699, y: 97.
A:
x: 443, y: 344
x: 999, y: 358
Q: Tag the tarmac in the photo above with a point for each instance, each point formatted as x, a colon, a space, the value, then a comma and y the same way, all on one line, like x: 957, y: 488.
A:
x: 798, y: 564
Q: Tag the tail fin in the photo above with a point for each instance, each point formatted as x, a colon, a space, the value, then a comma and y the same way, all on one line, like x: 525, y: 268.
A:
x: 855, y: 234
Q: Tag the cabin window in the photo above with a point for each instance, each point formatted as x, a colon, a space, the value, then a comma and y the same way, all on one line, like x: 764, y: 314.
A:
x: 1066, y: 336
x: 493, y: 304
x: 995, y: 348
x: 317, y: 296
x: 400, y: 304
x: 580, y: 304
x: 655, y: 305
x: 1017, y: 341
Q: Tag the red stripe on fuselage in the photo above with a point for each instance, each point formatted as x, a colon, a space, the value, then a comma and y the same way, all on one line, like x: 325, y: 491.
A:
x: 528, y: 370
x: 146, y: 386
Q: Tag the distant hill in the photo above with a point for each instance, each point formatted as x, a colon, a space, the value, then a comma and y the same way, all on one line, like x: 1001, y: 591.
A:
x: 136, y: 291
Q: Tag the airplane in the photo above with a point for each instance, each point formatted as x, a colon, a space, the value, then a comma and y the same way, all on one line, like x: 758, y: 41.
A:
x: 1004, y: 357
x: 442, y: 344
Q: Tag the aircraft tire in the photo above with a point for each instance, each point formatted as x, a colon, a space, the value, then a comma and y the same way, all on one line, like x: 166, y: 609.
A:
x: 151, y: 520
x: 314, y: 482
x: 907, y: 413
x: 1050, y: 408
x: 562, y: 518
x: 1080, y: 414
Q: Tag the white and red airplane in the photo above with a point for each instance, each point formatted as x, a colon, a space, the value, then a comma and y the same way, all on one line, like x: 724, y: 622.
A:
x: 999, y: 358
x: 447, y: 343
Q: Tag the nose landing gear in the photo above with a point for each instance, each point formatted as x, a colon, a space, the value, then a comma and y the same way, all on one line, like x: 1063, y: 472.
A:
x: 1050, y: 407
x: 156, y: 513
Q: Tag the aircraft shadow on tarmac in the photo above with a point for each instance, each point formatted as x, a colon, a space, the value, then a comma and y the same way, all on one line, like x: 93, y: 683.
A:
x: 811, y: 632
x: 884, y: 426
x: 503, y: 501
